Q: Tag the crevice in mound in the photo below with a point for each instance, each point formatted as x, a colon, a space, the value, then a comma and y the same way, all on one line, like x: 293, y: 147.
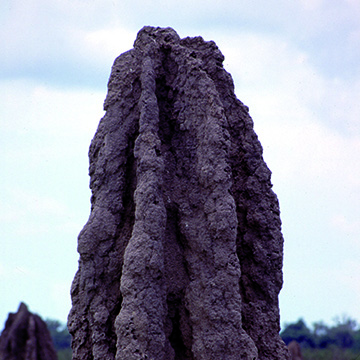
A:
x: 178, y: 337
x: 166, y: 94
x: 122, y: 237
x: 177, y: 280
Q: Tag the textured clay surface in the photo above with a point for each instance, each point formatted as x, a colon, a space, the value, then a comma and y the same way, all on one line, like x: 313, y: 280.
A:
x: 26, y: 337
x: 181, y: 258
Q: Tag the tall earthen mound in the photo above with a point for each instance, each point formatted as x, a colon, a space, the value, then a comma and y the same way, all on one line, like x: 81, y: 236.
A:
x: 26, y: 337
x: 181, y: 257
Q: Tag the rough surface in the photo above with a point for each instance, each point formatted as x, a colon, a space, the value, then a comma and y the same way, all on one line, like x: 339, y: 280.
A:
x: 181, y: 257
x: 26, y: 337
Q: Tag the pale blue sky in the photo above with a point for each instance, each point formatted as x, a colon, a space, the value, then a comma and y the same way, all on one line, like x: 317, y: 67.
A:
x: 295, y: 64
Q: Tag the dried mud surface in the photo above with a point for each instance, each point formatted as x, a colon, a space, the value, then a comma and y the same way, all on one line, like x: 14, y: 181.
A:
x: 181, y: 257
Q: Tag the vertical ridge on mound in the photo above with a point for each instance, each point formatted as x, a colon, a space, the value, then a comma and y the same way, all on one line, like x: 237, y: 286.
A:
x: 181, y: 257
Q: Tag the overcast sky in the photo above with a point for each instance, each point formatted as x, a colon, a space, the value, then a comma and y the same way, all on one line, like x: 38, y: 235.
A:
x: 296, y: 64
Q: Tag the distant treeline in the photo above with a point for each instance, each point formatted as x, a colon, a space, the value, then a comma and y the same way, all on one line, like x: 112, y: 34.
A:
x: 322, y: 342
x: 61, y: 338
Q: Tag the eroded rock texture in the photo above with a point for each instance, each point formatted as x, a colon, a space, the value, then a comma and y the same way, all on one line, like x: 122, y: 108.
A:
x: 26, y: 337
x: 181, y: 257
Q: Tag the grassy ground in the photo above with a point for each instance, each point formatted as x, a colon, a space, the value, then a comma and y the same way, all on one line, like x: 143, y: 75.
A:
x: 64, y: 354
x: 330, y: 354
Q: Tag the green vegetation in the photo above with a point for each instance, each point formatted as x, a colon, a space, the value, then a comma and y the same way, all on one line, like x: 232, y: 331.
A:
x: 61, y: 338
x: 322, y: 342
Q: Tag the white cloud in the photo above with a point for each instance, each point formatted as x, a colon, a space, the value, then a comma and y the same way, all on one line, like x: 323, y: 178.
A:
x: 311, y: 4
x: 348, y: 226
x: 32, y: 287
x: 46, y: 134
x: 34, y: 204
x: 307, y: 124
x: 321, y: 292
x: 2, y: 270
x: 47, y: 39
x: 30, y: 109
x: 109, y: 42
x: 75, y: 42
x: 60, y: 296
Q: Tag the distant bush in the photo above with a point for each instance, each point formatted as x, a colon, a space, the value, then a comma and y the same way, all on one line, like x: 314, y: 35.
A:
x: 331, y: 353
x: 338, y: 342
x: 299, y: 332
x: 61, y: 338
